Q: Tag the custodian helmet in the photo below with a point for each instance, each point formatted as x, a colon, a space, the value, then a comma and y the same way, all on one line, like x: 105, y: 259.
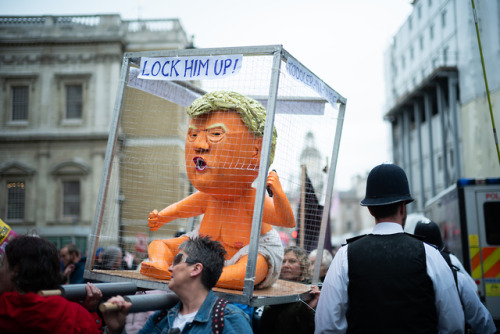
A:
x: 386, y: 184
x: 431, y: 233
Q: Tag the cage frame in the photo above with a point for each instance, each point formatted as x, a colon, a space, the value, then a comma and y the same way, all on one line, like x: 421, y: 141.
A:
x: 248, y: 295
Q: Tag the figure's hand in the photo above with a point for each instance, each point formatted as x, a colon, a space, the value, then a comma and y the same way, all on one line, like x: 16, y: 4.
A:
x: 154, y: 222
x: 115, y: 320
x: 273, y: 182
x: 280, y: 212
x: 93, y: 297
x: 313, y: 302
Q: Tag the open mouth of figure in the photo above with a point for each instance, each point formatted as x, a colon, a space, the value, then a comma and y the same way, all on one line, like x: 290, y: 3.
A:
x: 199, y: 163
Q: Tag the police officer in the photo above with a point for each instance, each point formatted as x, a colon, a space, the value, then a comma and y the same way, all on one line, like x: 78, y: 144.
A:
x: 477, y: 316
x: 388, y: 281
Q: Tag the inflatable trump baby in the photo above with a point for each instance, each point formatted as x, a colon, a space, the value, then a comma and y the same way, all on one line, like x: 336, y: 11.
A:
x: 222, y: 155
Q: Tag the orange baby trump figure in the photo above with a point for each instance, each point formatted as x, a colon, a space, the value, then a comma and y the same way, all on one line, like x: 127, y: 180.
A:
x: 222, y: 155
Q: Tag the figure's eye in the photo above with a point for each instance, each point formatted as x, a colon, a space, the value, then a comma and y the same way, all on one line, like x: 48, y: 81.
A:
x: 192, y: 134
x: 216, y: 134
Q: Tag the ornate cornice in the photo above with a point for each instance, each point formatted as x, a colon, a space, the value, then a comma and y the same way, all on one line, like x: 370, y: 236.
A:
x: 58, y: 58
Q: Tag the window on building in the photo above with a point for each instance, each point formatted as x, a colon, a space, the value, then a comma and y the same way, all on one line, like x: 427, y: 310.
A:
x: 20, y: 102
x: 410, y: 25
x: 440, y: 163
x: 74, y: 101
x: 71, y: 199
x: 403, y: 62
x: 18, y: 99
x: 421, y: 42
x: 429, y: 3
x: 15, y: 200
x: 419, y: 12
x: 443, y: 18
x: 411, y: 53
x: 491, y: 210
x: 452, y: 160
x: 73, y: 90
x: 431, y: 32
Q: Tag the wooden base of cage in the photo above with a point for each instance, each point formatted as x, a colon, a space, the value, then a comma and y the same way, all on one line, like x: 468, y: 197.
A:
x: 280, y: 292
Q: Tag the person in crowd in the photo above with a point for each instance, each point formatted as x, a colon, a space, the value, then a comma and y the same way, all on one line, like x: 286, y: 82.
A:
x: 194, y: 272
x: 112, y: 258
x: 325, y: 262
x: 477, y: 316
x: 296, y: 317
x: 430, y: 231
x: 388, y: 281
x: 31, y: 264
x: 98, y: 259
x: 74, y: 264
x: 296, y: 265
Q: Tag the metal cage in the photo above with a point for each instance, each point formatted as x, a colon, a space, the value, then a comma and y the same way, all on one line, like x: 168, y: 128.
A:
x: 283, y: 84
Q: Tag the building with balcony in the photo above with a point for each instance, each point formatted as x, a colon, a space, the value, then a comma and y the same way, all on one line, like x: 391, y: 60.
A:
x: 436, y: 99
x: 59, y: 79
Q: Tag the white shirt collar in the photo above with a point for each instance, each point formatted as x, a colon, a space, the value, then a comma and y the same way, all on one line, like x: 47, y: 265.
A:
x: 387, y: 228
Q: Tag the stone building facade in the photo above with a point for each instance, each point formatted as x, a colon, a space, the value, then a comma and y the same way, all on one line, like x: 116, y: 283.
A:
x: 59, y: 77
x: 436, y: 97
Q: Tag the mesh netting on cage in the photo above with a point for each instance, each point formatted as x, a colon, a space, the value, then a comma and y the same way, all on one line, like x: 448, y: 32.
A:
x: 187, y: 161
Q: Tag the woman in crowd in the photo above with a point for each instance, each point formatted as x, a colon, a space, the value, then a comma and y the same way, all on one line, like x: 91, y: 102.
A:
x: 297, y: 317
x: 31, y: 264
x: 112, y: 258
x: 325, y: 263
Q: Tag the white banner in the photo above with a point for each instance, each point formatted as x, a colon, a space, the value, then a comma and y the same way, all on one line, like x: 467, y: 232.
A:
x: 190, y: 68
x: 170, y: 91
x: 302, y: 74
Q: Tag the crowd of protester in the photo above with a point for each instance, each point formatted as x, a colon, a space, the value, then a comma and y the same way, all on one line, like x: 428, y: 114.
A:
x: 31, y: 264
x: 397, y: 282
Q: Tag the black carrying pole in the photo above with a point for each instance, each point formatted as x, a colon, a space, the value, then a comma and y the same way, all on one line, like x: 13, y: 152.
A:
x: 77, y: 291
x: 144, y: 302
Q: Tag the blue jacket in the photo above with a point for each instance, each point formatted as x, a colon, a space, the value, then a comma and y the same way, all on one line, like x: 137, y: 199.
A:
x: 235, y: 320
x: 76, y: 276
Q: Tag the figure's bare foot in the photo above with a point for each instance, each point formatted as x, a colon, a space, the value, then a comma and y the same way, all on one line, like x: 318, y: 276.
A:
x: 156, y: 270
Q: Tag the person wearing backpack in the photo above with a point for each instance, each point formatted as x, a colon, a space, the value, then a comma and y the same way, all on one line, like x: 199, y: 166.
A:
x: 194, y: 272
x: 477, y: 317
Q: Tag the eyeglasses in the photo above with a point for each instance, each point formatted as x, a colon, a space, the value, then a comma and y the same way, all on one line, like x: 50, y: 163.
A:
x: 180, y: 258
x: 214, y: 135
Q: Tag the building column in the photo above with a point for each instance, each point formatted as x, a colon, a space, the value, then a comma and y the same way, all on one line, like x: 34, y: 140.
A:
x: 407, y: 166
x: 442, y: 118
x: 428, y: 117
x: 452, y: 94
x: 418, y: 127
x: 395, y: 144
x: 44, y: 181
x: 402, y: 157
x: 407, y: 148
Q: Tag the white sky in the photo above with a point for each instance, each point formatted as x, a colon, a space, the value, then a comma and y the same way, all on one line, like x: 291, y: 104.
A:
x: 341, y: 41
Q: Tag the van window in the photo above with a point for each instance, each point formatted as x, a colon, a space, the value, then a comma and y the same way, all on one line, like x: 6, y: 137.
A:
x: 491, y: 222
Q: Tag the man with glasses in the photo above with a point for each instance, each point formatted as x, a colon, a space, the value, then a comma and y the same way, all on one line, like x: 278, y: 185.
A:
x: 194, y: 272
